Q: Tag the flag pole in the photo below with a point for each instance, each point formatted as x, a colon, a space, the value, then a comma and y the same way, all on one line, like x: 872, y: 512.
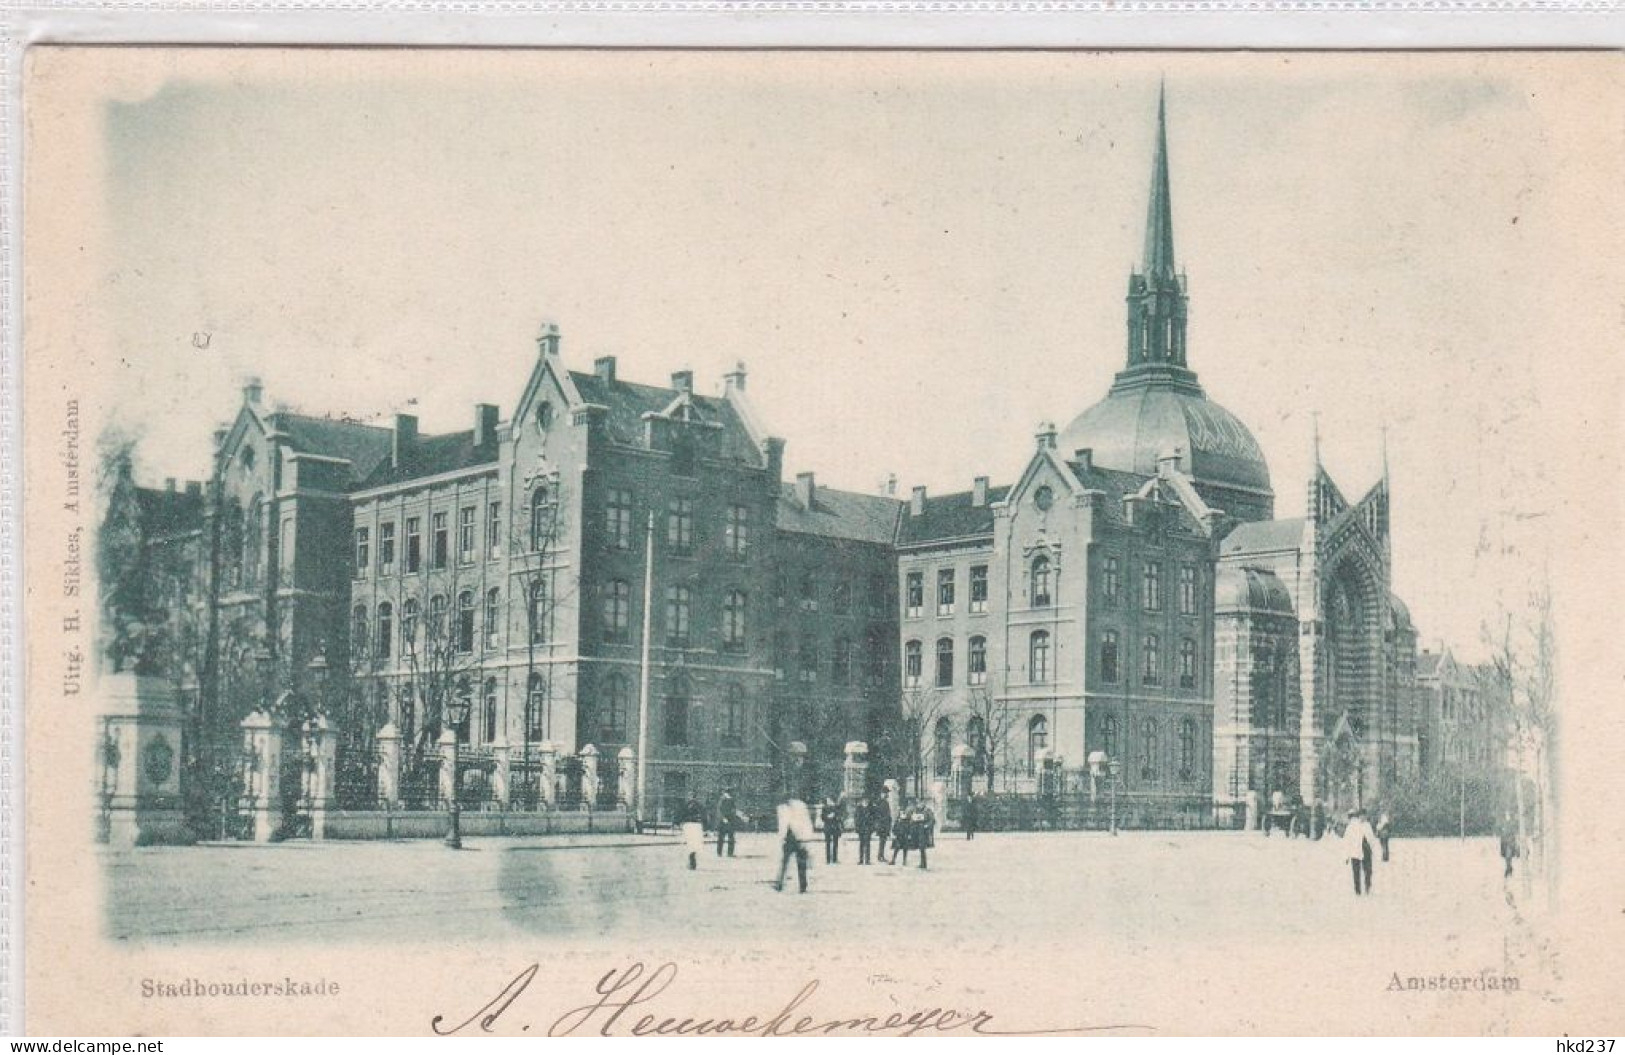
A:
x: 643, y: 664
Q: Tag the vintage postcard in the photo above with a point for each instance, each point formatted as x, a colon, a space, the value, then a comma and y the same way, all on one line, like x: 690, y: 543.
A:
x: 814, y: 542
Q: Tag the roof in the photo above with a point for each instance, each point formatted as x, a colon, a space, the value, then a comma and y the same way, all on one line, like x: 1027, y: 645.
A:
x: 1263, y: 536
x: 434, y: 455
x: 628, y: 402
x: 1119, y: 485
x: 168, y: 512
x: 845, y: 515
x: 1251, y: 589
x: 363, y: 446
x: 951, y: 516
x: 1427, y: 663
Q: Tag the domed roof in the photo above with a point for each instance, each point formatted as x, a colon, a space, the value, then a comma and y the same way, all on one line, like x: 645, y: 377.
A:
x: 1400, y: 614
x: 1134, y: 426
x: 1252, y: 589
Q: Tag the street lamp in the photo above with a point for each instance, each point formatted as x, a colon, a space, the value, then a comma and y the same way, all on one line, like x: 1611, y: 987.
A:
x: 1114, y: 767
x: 263, y: 661
x: 318, y: 670
x: 456, y: 713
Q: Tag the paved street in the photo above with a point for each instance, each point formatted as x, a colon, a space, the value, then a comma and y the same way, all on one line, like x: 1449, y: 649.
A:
x: 1140, y: 887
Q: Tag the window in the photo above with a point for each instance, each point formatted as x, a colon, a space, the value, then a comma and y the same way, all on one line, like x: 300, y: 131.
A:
x: 733, y: 621
x: 840, y: 664
x: 493, y: 616
x: 1108, y: 656
x: 465, y: 535
x: 1038, y: 657
x: 488, y: 727
x: 437, y: 622
x: 414, y: 544
x: 386, y: 547
x: 1187, y: 589
x: 809, y: 660
x: 878, y: 594
x: 976, y: 740
x: 945, y: 591
x: 676, y: 712
x: 253, y: 540
x: 358, y: 630
x: 1110, y: 737
x: 284, y: 562
x: 541, y: 519
x: 976, y: 664
x: 612, y: 710
x: 914, y: 590
x: 942, y: 747
x: 465, y: 621
x: 736, y: 532
x: 781, y: 653
x: 362, y: 552
x: 1037, y: 740
x: 1040, y: 581
x: 877, y: 656
x: 618, y: 519
x: 978, y: 588
x: 1187, y: 664
x: 1151, y: 592
x: 678, y: 599
x: 945, y: 663
x: 733, y: 716
x: 913, y: 661
x: 680, y: 525
x: 493, y: 529
x: 1187, y: 749
x: 840, y: 596
x: 409, y: 625
x: 440, y: 542
x: 1111, y: 580
x: 386, y: 629
x: 536, y: 706
x: 809, y: 592
x: 540, y: 614
x: 1150, y: 673
x: 1148, y: 750
x: 465, y: 694
x: 617, y: 603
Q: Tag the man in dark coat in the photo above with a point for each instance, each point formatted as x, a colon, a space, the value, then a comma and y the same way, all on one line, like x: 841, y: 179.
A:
x: 832, y: 820
x: 728, y: 820
x: 972, y: 817
x: 864, y: 821
x: 881, y: 812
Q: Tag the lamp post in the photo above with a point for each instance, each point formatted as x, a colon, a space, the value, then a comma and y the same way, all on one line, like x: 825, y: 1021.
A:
x: 263, y: 662
x: 456, y: 713
x: 318, y: 670
x: 1114, y: 767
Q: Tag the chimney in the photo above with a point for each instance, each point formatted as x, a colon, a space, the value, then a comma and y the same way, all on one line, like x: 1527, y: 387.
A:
x: 406, y: 434
x: 603, y: 368
x: 1085, y: 458
x: 194, y: 489
x: 978, y: 493
x: 805, y: 489
x: 916, y: 503
x: 683, y: 381
x: 253, y: 391
x: 1046, y: 436
x: 734, y: 380
x: 1168, y: 462
x: 547, y: 341
x: 891, y: 485
x: 169, y: 484
x: 220, y: 435
x: 485, y: 424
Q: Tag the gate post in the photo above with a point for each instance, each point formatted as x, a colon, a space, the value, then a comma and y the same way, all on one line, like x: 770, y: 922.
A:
x: 389, y: 765
x: 448, y: 765
x: 629, y: 769
x: 501, y: 770
x: 324, y: 752
x: 589, y: 776
x: 262, y: 774
x: 546, y: 792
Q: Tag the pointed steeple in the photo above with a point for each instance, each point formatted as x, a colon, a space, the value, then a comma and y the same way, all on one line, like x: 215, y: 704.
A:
x: 1159, y: 217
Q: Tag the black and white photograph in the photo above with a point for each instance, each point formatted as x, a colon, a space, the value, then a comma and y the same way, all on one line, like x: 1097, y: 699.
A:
x: 833, y: 542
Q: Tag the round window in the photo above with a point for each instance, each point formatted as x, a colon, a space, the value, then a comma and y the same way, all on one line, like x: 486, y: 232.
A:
x: 1043, y: 498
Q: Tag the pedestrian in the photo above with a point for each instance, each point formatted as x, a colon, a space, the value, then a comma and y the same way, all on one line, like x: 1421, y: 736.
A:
x: 831, y: 818
x: 691, y: 819
x: 795, y: 832
x: 1509, y: 842
x: 728, y: 821
x: 925, y: 829
x: 864, y: 821
x: 882, y: 821
x: 1385, y: 831
x: 902, y: 835
x: 1358, y: 843
x: 971, y: 818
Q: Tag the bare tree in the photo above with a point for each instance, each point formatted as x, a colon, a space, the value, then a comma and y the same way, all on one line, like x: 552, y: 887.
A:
x: 997, y: 718
x: 535, y: 537
x: 910, y: 739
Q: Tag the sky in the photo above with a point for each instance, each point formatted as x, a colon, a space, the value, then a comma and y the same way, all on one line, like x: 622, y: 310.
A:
x: 919, y: 257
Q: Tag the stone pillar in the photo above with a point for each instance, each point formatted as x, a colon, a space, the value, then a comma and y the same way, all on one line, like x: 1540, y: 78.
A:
x: 589, y: 776
x: 855, y: 770
x: 448, y: 765
x: 629, y: 778
x: 893, y: 795
x: 939, y: 802
x: 548, y: 752
x: 323, y: 746
x: 262, y: 774
x: 962, y: 770
x: 141, y: 761
x: 501, y: 770
x: 389, y: 764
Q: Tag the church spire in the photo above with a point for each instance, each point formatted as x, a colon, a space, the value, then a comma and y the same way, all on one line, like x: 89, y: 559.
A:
x: 1159, y: 219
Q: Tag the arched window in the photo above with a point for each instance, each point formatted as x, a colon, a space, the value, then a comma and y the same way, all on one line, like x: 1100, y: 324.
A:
x: 1111, y: 580
x: 1041, y: 581
x: 409, y: 625
x: 488, y: 731
x: 358, y: 630
x: 1187, y: 749
x: 733, y: 621
x: 809, y: 659
x: 1110, y: 737
x: 945, y: 662
x: 465, y: 621
x: 1148, y: 749
x: 536, y: 706
x: 1038, y: 657
x: 1108, y: 656
x: 1151, y: 672
x: 386, y: 629
x: 540, y: 614
x: 465, y: 696
x: 913, y: 664
x: 840, y: 666
x: 437, y: 622
x: 253, y: 541
x: 976, y: 661
x: 612, y: 711
x: 493, y: 616
x: 733, y: 716
x: 406, y: 700
x: 541, y: 519
x: 676, y: 712
x: 976, y: 740
x: 617, y: 605
x: 1037, y: 740
x: 942, y: 747
x: 678, y: 602
x: 1151, y: 587
x: 1187, y: 664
